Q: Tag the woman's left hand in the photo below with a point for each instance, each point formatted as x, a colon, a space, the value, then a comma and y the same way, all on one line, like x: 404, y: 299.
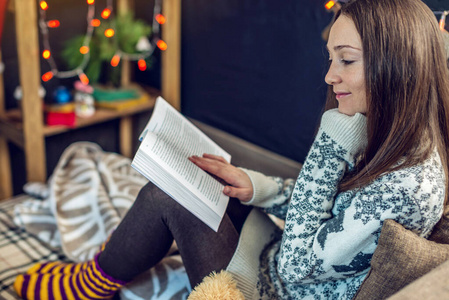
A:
x: 240, y: 185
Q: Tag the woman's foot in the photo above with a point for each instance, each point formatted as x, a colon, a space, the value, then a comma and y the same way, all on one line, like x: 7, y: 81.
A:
x: 67, y: 281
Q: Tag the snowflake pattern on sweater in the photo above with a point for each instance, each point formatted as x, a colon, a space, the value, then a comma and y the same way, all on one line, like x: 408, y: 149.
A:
x: 329, y: 238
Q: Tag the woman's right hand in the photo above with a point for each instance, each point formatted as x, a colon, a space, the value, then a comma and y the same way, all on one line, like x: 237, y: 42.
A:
x: 239, y: 184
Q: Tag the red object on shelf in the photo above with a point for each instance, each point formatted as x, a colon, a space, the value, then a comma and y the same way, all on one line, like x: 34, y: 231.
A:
x: 57, y: 118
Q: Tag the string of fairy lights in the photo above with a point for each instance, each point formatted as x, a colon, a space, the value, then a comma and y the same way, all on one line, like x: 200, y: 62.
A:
x: 442, y: 18
x: 147, y: 48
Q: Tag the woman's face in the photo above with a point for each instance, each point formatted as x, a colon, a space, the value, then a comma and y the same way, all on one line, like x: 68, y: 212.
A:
x: 346, y: 72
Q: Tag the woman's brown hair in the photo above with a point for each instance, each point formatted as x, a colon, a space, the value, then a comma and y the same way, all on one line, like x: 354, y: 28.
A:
x: 407, y: 82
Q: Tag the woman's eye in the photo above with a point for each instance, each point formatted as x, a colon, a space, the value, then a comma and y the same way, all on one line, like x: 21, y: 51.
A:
x: 346, y: 62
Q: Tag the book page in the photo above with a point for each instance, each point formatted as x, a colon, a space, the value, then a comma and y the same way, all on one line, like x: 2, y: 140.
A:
x: 169, y: 138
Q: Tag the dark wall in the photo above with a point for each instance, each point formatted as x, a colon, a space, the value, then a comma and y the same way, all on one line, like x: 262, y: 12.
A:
x: 255, y: 68
x: 437, y: 5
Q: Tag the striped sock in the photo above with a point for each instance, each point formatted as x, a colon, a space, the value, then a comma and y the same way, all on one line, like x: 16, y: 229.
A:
x: 59, y: 267
x: 90, y: 282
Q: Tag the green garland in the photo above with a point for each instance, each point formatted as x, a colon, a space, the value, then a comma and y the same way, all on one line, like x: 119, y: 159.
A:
x: 128, y: 31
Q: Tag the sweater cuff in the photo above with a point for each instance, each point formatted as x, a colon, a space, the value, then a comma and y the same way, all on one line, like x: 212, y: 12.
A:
x: 349, y: 132
x: 264, y: 189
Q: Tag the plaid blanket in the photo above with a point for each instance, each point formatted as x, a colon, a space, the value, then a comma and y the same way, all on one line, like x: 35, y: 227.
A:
x: 19, y: 249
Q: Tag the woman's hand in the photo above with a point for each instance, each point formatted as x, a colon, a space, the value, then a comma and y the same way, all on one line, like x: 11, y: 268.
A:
x: 239, y: 184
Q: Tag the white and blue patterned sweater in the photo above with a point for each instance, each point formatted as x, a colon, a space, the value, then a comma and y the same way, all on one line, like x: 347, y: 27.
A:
x: 325, y: 249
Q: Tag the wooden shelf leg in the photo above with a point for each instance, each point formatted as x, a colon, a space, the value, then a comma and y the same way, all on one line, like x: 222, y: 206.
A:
x: 5, y: 170
x: 32, y: 108
x: 35, y: 159
x: 123, y: 7
x: 126, y: 143
x: 171, y: 58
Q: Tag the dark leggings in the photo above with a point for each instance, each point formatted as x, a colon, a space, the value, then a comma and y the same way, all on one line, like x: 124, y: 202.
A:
x: 147, y: 231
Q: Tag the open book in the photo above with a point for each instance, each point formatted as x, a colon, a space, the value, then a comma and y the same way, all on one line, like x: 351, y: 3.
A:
x: 166, y: 143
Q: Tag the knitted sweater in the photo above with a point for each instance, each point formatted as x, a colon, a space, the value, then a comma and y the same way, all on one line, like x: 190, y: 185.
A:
x: 325, y: 249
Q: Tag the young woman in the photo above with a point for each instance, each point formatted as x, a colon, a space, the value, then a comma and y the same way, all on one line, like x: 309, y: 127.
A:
x: 380, y: 153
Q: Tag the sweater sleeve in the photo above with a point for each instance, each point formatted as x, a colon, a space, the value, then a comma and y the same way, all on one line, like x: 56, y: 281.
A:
x: 339, y: 139
x: 272, y: 194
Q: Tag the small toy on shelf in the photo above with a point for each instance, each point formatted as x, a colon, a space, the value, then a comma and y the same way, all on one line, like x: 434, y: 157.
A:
x: 84, y: 101
x: 62, y: 95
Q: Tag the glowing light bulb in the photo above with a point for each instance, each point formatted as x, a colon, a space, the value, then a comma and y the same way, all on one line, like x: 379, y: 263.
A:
x: 105, y: 13
x: 43, y: 5
x: 161, y: 45
x: 47, y: 76
x: 90, y: 2
x: 142, y: 64
x: 109, y: 32
x: 53, y: 23
x: 95, y: 22
x: 115, y: 60
x: 83, y: 78
x: 329, y: 4
x: 46, y: 54
x: 84, y: 50
x: 443, y: 20
x: 160, y: 19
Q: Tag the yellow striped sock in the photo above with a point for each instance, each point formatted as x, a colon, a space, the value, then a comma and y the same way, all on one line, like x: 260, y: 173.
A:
x: 89, y: 282
x: 43, y: 293
x: 18, y: 283
x: 30, y: 288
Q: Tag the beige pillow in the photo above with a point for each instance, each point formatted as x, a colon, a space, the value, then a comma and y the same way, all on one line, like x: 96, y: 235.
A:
x: 400, y: 258
x: 432, y: 286
x: 440, y: 233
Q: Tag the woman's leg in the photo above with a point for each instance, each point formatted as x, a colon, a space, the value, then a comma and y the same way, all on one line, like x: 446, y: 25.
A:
x: 140, y: 241
x: 146, y: 233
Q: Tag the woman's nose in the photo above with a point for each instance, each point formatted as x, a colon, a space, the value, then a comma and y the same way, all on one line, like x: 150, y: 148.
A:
x: 332, y: 77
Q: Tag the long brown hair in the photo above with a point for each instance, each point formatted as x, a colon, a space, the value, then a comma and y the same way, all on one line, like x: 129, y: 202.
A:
x: 407, y: 82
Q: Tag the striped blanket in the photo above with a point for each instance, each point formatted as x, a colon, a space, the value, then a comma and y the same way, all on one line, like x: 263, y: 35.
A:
x: 89, y: 192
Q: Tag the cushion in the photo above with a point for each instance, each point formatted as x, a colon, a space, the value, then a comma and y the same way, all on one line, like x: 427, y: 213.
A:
x: 432, y: 286
x: 401, y: 257
x: 440, y: 233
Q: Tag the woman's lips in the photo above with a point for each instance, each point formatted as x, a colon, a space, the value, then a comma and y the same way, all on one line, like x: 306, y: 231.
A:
x: 342, y: 95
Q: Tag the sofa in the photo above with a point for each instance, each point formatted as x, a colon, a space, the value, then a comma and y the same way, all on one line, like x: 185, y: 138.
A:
x: 404, y: 265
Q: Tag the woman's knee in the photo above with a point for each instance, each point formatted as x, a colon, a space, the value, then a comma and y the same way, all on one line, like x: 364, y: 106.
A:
x: 154, y: 197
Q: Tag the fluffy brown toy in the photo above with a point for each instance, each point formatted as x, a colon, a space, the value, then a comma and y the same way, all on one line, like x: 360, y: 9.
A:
x: 219, y: 286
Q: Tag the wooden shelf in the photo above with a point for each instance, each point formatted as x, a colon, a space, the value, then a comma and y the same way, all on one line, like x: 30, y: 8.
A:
x: 25, y: 127
x: 11, y: 122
